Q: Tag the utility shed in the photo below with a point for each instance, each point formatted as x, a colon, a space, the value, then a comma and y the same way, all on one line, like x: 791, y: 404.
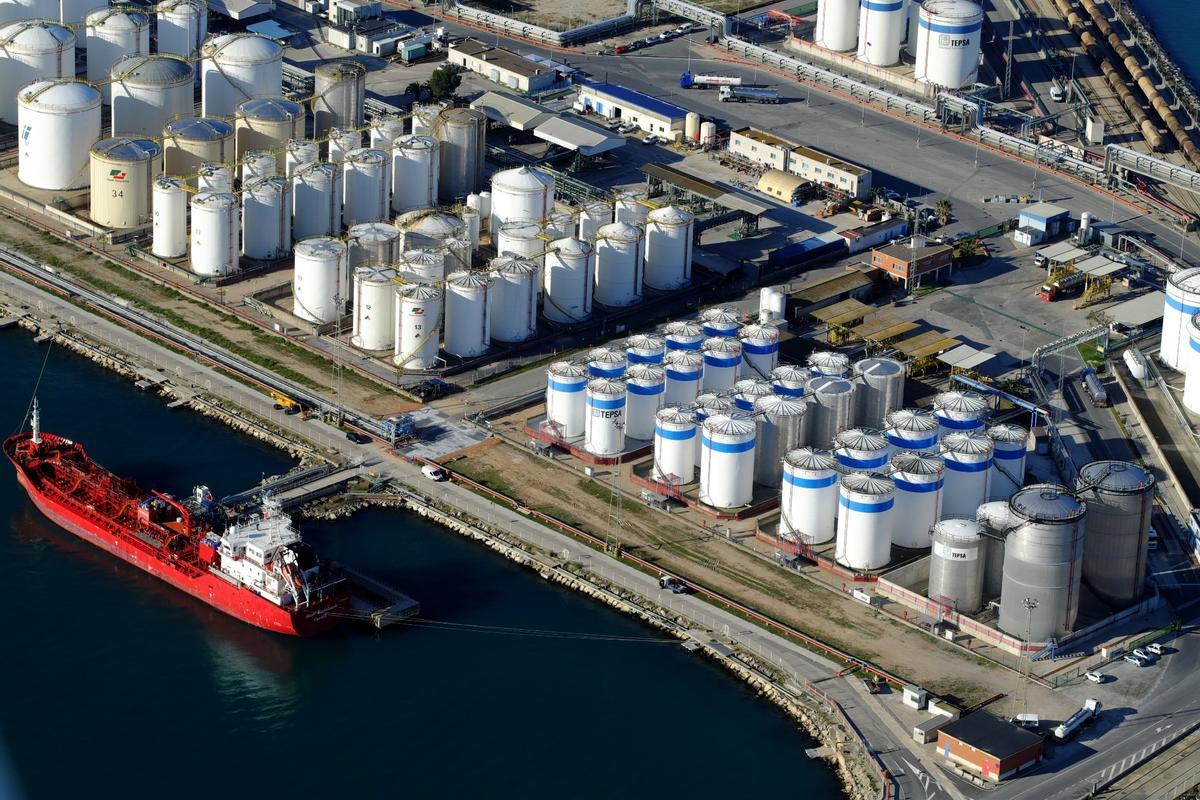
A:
x: 1048, y: 218
x: 988, y: 746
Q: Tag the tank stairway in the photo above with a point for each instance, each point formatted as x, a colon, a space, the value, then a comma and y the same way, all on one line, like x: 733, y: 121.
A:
x: 375, y: 603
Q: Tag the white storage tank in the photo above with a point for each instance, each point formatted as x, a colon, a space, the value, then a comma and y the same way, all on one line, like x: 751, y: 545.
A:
x: 1182, y: 302
x: 1190, y: 364
x: 474, y: 225
x: 618, y: 264
x: 214, y: 178
x: 691, y: 127
x: 727, y: 461
x: 59, y: 121
x: 427, y: 265
x: 463, y: 134
x: 604, y: 424
x: 919, y: 479
x: 111, y: 33
x: 216, y: 222
x: 192, y: 141
x: 722, y: 358
x: 910, y: 35
x: 30, y: 50
x: 956, y: 565
x: 829, y: 363
x: 424, y: 119
x: 1010, y: 443
x: 669, y: 248
x: 684, y: 371
x: 782, y: 424
x: 606, y: 362
x: 429, y: 228
x: 148, y: 91
x: 318, y: 279
x: 339, y: 89
x: 238, y: 67
x: 559, y: 225
x: 644, y: 348
x: 968, y: 457
x: 808, y: 503
x: 418, y: 308
x: 948, y: 43
x: 592, y: 218
x: 644, y: 389
x: 911, y: 429
x: 364, y: 186
x: 772, y: 304
x: 182, y: 27
x: 865, y: 521
x: 832, y: 408
x: 880, y: 389
x: 514, y: 299
x: 959, y: 411
x: 267, y: 218
x: 521, y: 240
x: 683, y: 335
x: 317, y: 200
x: 123, y: 171
x: 300, y: 153
x: 384, y: 130
x: 861, y: 449
x: 881, y: 28
x: 569, y: 269
x: 631, y: 207
x: 566, y: 406
x: 760, y: 349
x: 272, y: 123
x: 524, y: 193
x: 342, y: 142
x: 746, y: 392
x: 468, y: 330
x: 712, y: 403
x: 168, y: 229
x: 788, y: 380
x: 374, y: 308
x: 674, y: 447
x: 837, y: 25
x: 373, y: 243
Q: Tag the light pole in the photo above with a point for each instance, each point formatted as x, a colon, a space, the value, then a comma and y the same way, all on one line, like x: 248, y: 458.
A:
x: 1030, y: 604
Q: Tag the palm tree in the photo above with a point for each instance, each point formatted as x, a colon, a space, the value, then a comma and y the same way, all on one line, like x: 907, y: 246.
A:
x: 414, y: 89
x: 943, y: 208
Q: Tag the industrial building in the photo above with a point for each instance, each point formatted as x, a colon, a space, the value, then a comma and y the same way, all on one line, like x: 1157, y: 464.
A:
x: 617, y: 102
x: 869, y: 236
x: 761, y: 148
x: 502, y: 66
x: 790, y: 189
x: 988, y: 746
x: 830, y: 171
x: 1041, y: 222
x: 914, y: 261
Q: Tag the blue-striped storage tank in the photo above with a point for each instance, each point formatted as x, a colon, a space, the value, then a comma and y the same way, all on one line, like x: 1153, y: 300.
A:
x: 565, y: 408
x: 722, y: 359
x: 721, y: 321
x: 881, y: 28
x: 643, y: 399
x: 683, y: 335
x: 789, y: 380
x: 644, y: 348
x: 747, y: 391
x: 604, y: 424
x: 606, y: 362
x: 675, y: 438
x: 727, y: 461
x: 911, y: 429
x: 808, y: 502
x: 708, y: 405
x: 1182, y: 301
x: 760, y: 350
x: 861, y: 449
x: 919, y: 479
x: 968, y: 458
x: 684, y: 373
x: 865, y: 520
x: 1010, y: 443
x: 959, y: 411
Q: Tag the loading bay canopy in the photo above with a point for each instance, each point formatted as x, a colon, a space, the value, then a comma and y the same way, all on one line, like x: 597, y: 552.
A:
x: 883, y: 327
x: 926, y: 345
x: 965, y: 357
x: 1140, y: 311
x: 825, y: 290
x: 565, y: 131
x: 715, y: 193
x: 1098, y: 266
x: 843, y: 313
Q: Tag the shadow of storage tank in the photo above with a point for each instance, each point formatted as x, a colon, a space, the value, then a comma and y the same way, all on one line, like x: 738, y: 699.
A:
x: 1043, y: 561
x: 123, y: 171
x: 1120, y: 500
x: 956, y: 565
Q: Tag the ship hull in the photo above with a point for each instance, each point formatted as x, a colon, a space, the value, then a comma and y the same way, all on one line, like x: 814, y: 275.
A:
x: 238, y: 602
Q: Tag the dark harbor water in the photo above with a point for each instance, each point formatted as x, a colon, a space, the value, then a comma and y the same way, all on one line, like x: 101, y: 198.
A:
x: 1176, y: 24
x: 116, y: 685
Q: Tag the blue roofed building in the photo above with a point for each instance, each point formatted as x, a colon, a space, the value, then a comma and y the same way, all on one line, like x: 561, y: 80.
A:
x: 650, y: 114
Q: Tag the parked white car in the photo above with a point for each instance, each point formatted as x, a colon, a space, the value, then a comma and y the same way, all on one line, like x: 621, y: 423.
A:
x: 1095, y: 677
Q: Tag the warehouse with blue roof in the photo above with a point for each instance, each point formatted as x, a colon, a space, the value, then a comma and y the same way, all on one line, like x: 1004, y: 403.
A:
x: 650, y: 114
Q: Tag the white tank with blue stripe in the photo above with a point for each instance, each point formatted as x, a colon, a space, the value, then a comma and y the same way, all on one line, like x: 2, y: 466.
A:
x: 808, y: 500
x: 565, y: 407
x: 968, y: 458
x: 604, y: 425
x: 865, y: 520
x: 911, y: 429
x: 727, y: 461
x: 760, y: 350
x: 722, y: 359
x: 959, y: 411
x: 675, y: 442
x: 684, y: 372
x: 919, y: 478
x: 1182, y: 302
x: 1010, y: 444
x: 643, y: 399
x: 861, y: 449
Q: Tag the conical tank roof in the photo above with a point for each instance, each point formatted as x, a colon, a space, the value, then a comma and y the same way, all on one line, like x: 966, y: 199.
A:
x: 682, y: 328
x: 864, y: 483
x: 811, y: 458
x: 712, y: 402
x: 829, y: 360
x: 434, y: 224
x: 722, y: 344
x: 670, y: 215
x: 753, y: 387
x: 644, y: 341
x: 861, y: 439
x: 674, y: 415
x: 720, y: 314
x: 911, y: 419
x: 571, y: 248
x: 568, y: 369
x: 644, y: 372
x: 512, y: 265
x: 366, y: 155
x: 522, y: 179
x: 421, y: 291
x: 320, y: 246
x: 790, y: 373
x: 413, y: 141
x: 967, y: 443
x: 619, y: 232
x: 1006, y: 432
x: 1046, y: 502
x: 469, y: 279
x: 373, y: 232
x: 729, y: 425
x: 775, y: 406
x: 606, y: 386
x: 760, y: 332
x: 967, y: 402
x: 606, y: 355
x: 683, y: 358
x: 917, y: 463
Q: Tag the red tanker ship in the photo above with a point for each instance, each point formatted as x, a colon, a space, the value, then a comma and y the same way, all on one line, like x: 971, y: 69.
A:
x: 258, y: 570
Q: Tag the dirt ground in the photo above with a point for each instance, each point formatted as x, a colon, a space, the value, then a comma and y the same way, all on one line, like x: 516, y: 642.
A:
x: 267, y: 349
x: 689, y: 550
x: 554, y: 14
